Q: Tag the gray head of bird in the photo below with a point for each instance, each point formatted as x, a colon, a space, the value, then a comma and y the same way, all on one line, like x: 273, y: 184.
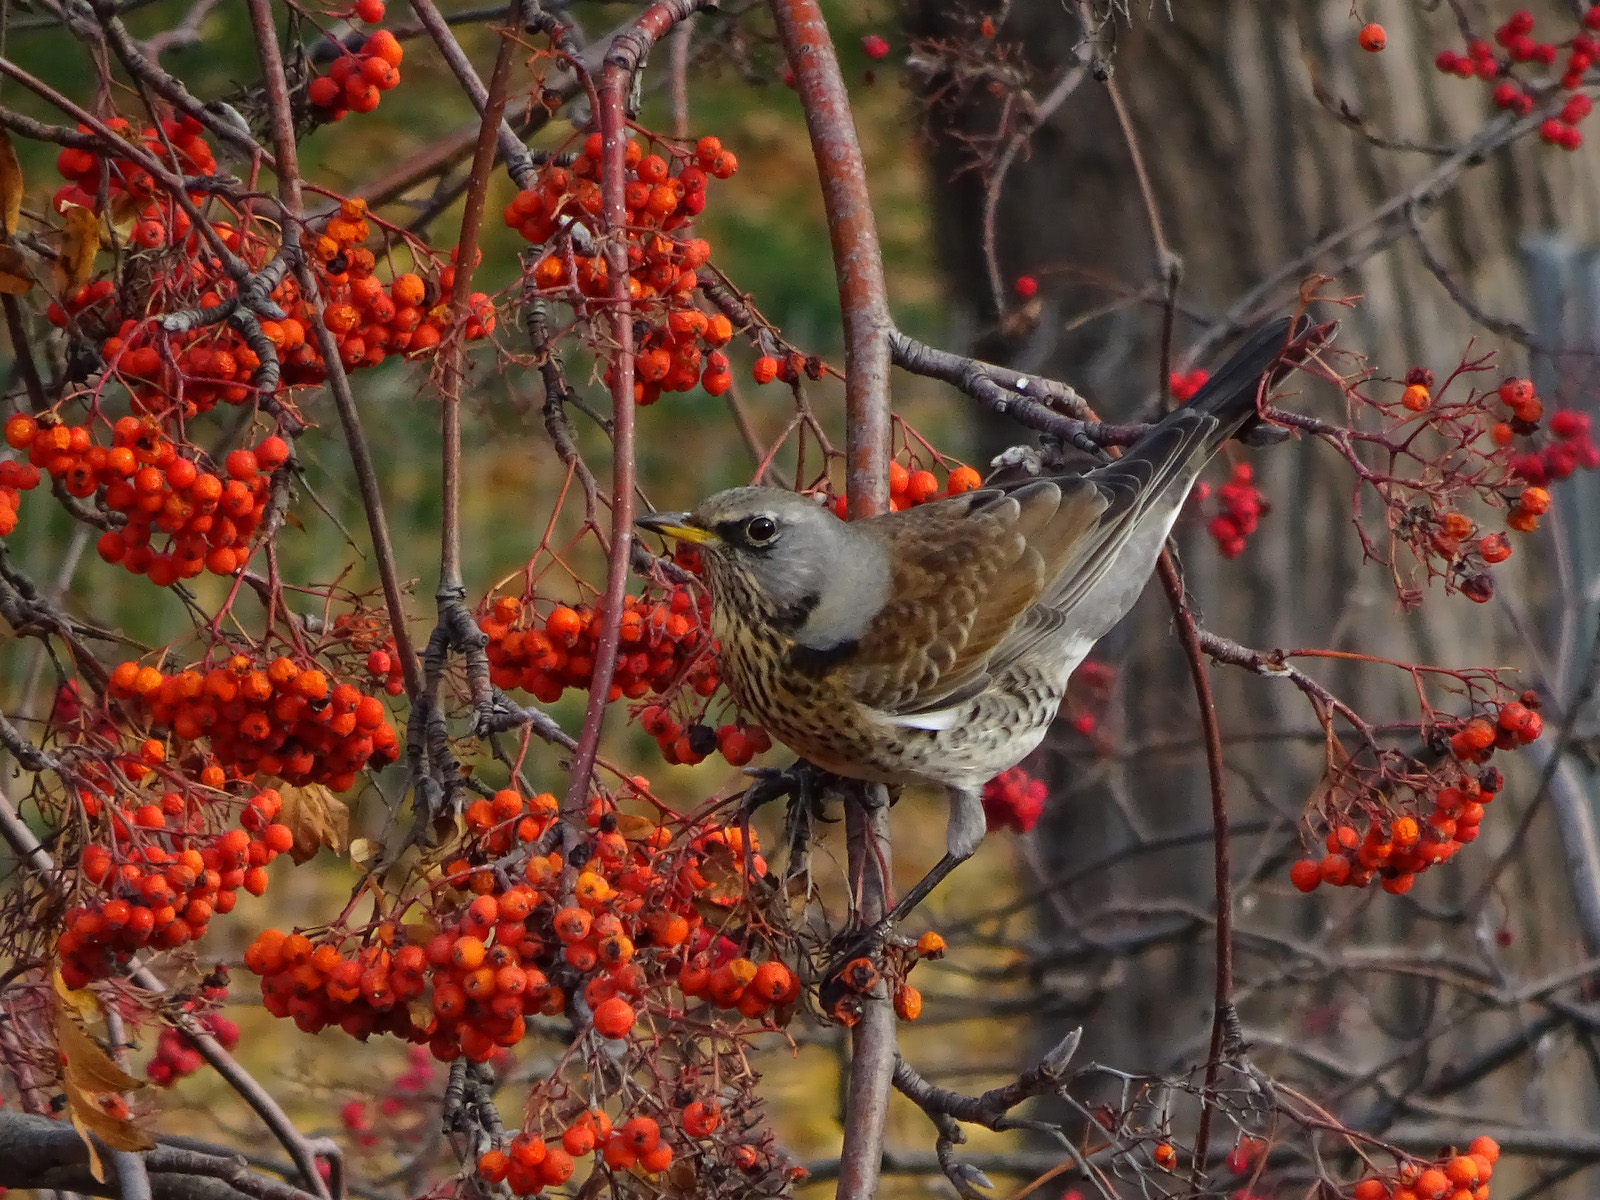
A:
x: 793, y: 553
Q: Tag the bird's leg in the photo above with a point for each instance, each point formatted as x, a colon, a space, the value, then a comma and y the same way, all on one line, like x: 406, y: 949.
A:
x: 962, y: 835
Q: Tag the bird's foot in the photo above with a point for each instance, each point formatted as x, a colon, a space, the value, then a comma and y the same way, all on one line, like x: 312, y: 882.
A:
x: 802, y: 781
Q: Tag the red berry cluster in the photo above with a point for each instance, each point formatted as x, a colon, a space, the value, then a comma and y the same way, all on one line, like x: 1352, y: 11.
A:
x: 1515, y: 37
x: 842, y: 994
x: 909, y: 488
x: 406, y: 1095
x: 1243, y: 506
x: 662, y: 193
x: 15, y: 478
x: 281, y: 718
x: 662, y: 643
x: 208, y: 517
x: 1573, y: 448
x: 176, y: 1056
x: 788, y: 368
x: 1516, y: 724
x: 494, y: 956
x: 1395, y: 849
x: 1453, y: 1176
x: 1014, y: 800
x: 357, y: 81
x: 172, y: 869
x: 384, y: 663
x: 1532, y: 504
x: 369, y: 321
x: 729, y: 981
x: 1458, y: 540
x: 129, y: 185
x: 689, y: 745
x: 1184, y: 385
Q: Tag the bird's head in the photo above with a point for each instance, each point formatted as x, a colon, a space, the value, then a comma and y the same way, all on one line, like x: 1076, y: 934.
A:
x: 784, y: 547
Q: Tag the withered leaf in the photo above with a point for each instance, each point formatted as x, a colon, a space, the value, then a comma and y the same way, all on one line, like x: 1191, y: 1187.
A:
x: 79, y: 244
x: 10, y: 185
x: 317, y: 818
x: 636, y: 828
x: 93, y: 1083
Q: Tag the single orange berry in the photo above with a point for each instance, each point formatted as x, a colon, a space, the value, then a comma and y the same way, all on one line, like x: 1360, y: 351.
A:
x: 1306, y: 874
x: 1372, y: 39
x: 614, y: 1018
x: 962, y: 479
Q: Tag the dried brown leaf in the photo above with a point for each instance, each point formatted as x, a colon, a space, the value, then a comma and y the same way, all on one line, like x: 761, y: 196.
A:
x: 79, y: 244
x: 10, y: 185
x: 317, y: 818
x: 92, y: 1082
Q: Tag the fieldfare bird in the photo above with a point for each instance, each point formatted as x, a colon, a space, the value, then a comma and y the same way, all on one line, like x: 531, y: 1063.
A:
x: 934, y: 644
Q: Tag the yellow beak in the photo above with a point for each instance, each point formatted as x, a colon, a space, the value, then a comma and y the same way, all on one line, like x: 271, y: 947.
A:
x: 676, y: 525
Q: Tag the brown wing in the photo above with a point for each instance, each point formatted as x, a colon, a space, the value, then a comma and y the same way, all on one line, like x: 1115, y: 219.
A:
x: 966, y: 572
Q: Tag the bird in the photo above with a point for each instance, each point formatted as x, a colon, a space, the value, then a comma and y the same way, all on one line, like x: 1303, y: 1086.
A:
x: 934, y: 644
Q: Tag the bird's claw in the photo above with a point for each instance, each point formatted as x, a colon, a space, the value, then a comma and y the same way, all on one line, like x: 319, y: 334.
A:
x: 800, y: 780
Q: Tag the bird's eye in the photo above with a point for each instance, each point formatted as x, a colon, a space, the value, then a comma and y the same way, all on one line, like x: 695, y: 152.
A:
x: 760, y: 530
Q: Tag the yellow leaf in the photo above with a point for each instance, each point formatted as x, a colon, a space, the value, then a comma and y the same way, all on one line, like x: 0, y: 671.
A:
x: 10, y: 185
x: 636, y: 828
x: 81, y: 1002
x: 79, y: 244
x: 15, y: 276
x: 93, y: 1083
x: 317, y: 818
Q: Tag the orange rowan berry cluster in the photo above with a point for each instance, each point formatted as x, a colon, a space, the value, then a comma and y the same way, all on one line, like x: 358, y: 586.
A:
x: 841, y: 996
x: 678, y: 345
x: 356, y: 82
x: 368, y: 321
x: 130, y: 187
x: 1451, y: 1177
x: 689, y: 745
x: 171, y: 866
x: 208, y: 517
x: 1014, y: 799
x: 1517, y: 723
x: 1532, y: 504
x: 15, y: 478
x: 1515, y: 37
x: 787, y: 368
x: 909, y: 488
x: 662, y: 644
x: 730, y: 981
x: 530, y: 1162
x: 279, y: 718
x: 176, y: 1056
x: 1397, y: 848
x: 495, y: 955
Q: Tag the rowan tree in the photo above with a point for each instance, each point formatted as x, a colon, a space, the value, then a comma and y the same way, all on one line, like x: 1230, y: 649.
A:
x: 442, y: 800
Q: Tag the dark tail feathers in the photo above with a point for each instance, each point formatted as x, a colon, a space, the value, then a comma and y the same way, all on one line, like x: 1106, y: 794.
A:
x: 1230, y: 394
